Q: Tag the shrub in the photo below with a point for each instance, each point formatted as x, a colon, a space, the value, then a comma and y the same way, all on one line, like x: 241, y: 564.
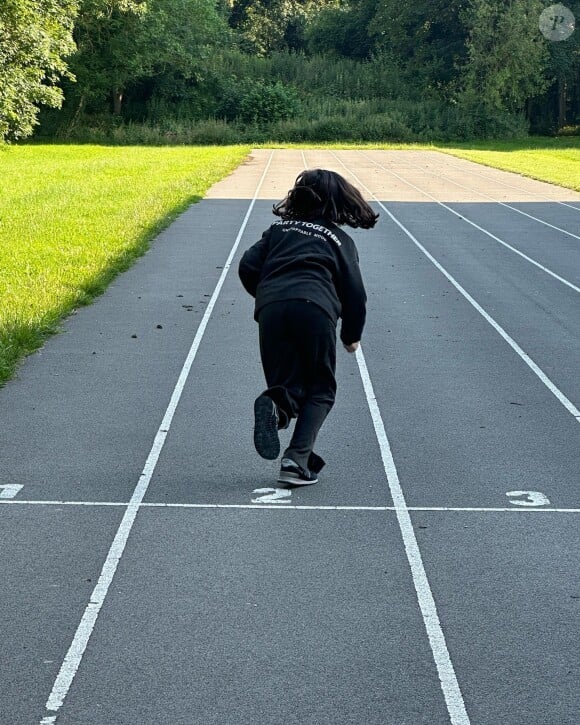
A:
x: 259, y: 102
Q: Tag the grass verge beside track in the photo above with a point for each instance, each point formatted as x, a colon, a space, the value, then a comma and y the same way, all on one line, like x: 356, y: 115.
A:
x: 73, y: 217
x: 556, y: 160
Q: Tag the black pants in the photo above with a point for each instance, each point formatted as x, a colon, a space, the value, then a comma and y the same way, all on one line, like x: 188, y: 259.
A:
x: 298, y: 350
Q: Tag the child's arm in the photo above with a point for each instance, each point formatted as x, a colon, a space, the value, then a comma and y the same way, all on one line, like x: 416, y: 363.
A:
x: 252, y: 262
x: 352, y: 296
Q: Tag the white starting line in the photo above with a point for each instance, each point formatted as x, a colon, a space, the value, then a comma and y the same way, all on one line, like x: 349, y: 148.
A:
x: 297, y: 507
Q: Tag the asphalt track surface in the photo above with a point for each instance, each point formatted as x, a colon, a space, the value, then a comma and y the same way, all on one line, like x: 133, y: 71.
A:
x: 430, y: 577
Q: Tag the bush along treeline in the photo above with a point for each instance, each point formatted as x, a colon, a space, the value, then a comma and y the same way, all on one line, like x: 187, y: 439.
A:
x: 226, y: 71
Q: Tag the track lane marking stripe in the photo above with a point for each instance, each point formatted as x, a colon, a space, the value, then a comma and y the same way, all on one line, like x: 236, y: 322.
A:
x: 487, y: 196
x: 477, y: 226
x: 447, y: 677
x: 570, y: 407
x: 445, y: 670
x: 78, y: 646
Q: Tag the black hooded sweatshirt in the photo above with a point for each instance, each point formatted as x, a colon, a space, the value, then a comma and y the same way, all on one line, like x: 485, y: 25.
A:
x: 313, y: 260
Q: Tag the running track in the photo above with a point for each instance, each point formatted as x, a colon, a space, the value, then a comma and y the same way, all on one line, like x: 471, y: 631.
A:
x: 153, y: 573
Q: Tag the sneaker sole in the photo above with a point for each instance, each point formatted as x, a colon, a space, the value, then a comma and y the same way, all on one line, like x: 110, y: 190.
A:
x: 294, y: 480
x: 266, y: 438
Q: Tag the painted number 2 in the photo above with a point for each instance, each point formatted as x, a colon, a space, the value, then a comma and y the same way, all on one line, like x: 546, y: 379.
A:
x: 528, y: 498
x: 9, y: 490
x: 272, y: 495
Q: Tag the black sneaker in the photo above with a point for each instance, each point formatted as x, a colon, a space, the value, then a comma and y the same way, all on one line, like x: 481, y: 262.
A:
x: 291, y: 472
x: 266, y: 438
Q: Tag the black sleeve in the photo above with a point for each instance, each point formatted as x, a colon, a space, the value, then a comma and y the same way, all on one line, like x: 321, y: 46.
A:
x: 352, y: 294
x: 252, y: 262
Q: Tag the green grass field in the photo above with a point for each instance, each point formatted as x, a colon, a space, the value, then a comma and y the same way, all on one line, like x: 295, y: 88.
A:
x: 556, y: 160
x: 72, y: 217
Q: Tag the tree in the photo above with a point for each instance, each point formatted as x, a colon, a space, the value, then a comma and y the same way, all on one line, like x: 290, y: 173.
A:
x: 106, y: 34
x: 426, y: 38
x: 507, y: 55
x: 343, y: 29
x: 129, y: 42
x: 35, y: 39
x: 563, y: 75
x: 274, y: 25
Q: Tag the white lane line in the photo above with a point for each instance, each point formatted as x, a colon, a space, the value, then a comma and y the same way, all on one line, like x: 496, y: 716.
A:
x: 41, y: 502
x: 75, y: 653
x: 491, y: 509
x: 543, y: 197
x: 481, y: 229
x: 570, y: 407
x: 298, y: 507
x: 448, y: 679
x: 496, y: 201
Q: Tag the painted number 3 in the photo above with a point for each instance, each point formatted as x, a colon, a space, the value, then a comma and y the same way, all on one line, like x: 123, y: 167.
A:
x: 528, y: 498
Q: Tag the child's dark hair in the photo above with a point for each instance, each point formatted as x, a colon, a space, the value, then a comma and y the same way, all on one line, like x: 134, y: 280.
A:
x: 322, y: 194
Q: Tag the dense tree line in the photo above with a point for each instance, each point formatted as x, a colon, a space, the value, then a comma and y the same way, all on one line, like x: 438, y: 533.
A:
x: 468, y: 64
x: 34, y: 40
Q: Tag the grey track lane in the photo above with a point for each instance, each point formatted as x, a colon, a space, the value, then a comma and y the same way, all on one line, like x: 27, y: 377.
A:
x: 475, y: 422
x: 51, y: 558
x: 77, y: 426
x: 278, y: 617
x: 90, y: 402
x: 509, y: 189
x: 547, y: 243
x: 467, y: 419
x: 537, y: 310
x: 209, y: 456
x: 300, y: 616
x: 508, y: 595
x: 549, y: 247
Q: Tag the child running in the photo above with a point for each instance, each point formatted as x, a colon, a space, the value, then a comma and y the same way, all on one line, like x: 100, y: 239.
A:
x: 304, y: 274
